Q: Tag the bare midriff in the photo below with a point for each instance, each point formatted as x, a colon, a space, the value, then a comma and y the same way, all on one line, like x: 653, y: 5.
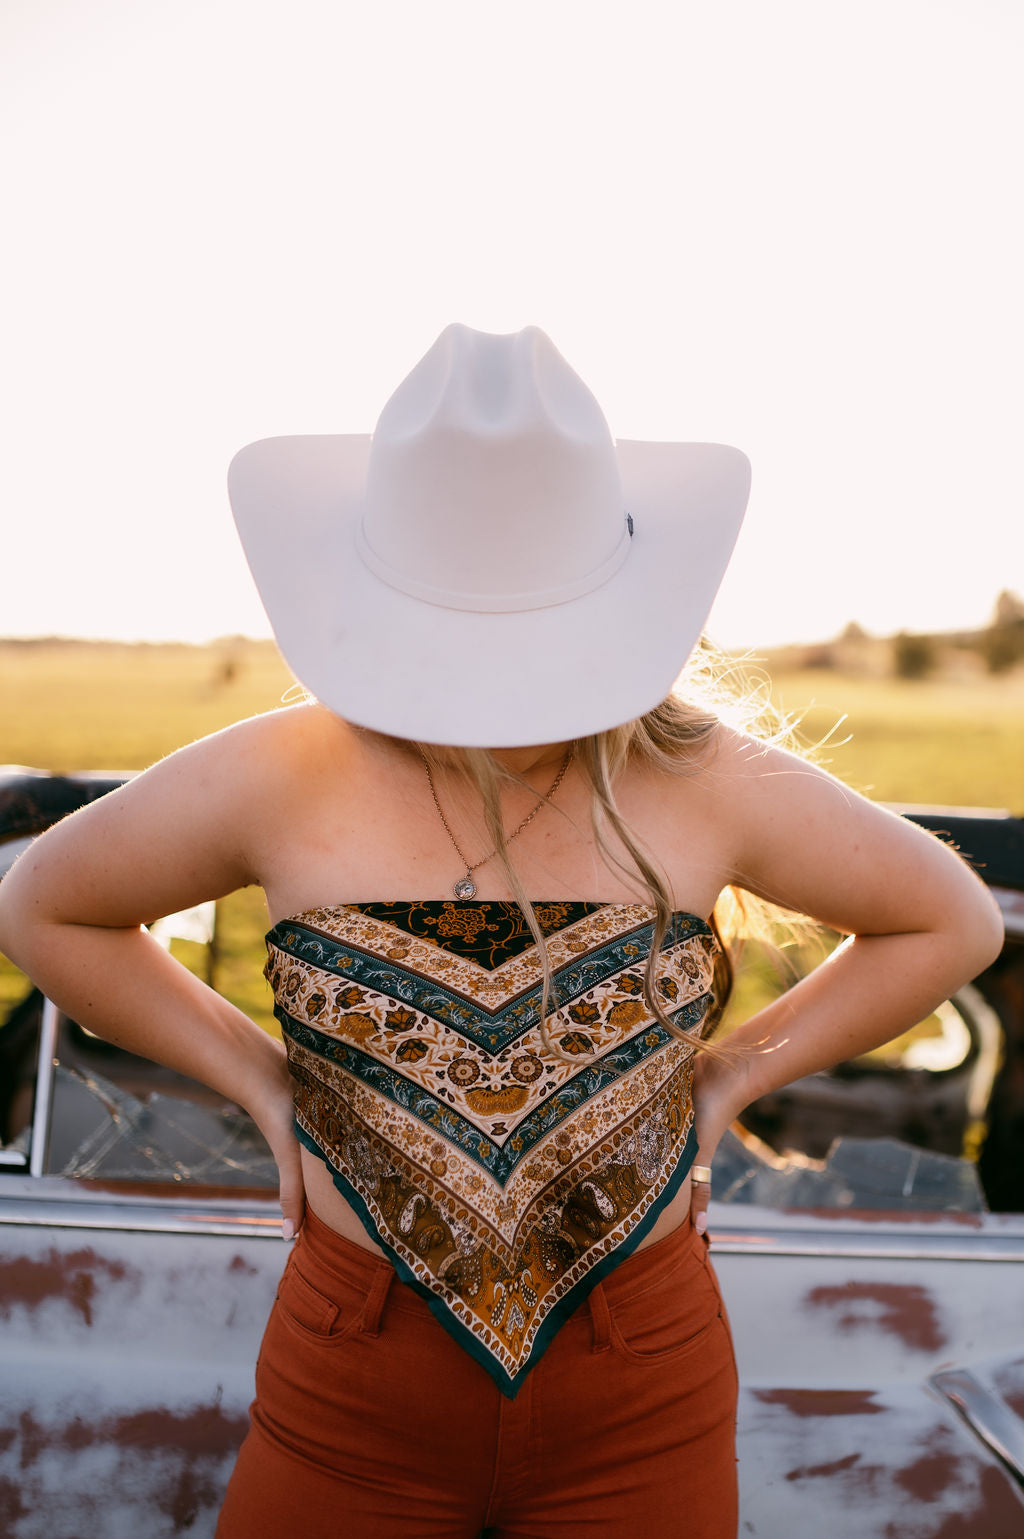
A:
x: 331, y: 1208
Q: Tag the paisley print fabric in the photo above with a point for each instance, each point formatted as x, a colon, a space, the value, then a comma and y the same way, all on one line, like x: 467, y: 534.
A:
x: 502, y: 1181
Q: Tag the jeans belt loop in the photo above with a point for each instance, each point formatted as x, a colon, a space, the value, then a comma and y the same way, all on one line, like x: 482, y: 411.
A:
x: 601, y: 1318
x: 373, y: 1309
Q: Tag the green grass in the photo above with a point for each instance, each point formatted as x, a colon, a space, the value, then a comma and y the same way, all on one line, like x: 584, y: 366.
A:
x: 950, y: 742
x: 74, y: 705
x: 79, y: 705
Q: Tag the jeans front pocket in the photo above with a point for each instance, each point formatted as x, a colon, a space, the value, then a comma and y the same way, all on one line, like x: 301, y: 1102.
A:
x: 312, y: 1314
x: 672, y: 1317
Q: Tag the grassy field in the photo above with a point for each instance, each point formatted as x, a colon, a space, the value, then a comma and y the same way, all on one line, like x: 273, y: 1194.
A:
x: 953, y: 743
x: 72, y: 705
x: 78, y: 705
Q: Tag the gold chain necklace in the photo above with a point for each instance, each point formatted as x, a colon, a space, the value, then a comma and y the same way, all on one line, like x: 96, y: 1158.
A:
x: 465, y: 887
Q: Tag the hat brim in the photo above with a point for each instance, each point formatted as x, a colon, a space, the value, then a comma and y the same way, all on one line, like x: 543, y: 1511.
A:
x: 400, y: 665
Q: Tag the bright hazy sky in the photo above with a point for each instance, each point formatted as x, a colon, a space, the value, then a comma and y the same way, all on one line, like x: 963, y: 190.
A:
x: 792, y: 225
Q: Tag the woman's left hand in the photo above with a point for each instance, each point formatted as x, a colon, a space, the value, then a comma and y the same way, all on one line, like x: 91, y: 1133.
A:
x: 271, y: 1107
x: 718, y: 1099
x: 700, y: 1196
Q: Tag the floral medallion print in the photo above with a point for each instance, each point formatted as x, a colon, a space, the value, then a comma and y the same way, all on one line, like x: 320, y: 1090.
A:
x: 501, y: 1179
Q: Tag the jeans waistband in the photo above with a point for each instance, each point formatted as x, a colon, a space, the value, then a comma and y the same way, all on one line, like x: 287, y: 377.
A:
x: 354, y: 1264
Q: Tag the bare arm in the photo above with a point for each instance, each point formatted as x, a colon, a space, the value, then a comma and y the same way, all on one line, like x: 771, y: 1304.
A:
x: 919, y: 925
x: 72, y: 908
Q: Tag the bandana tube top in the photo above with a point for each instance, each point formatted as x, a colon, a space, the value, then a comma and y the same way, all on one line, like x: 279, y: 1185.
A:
x: 501, y: 1182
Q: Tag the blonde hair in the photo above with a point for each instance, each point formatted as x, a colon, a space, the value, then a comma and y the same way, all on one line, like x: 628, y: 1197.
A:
x: 674, y: 737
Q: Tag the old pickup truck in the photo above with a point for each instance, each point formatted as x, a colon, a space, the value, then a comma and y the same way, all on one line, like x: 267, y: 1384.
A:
x: 868, y: 1230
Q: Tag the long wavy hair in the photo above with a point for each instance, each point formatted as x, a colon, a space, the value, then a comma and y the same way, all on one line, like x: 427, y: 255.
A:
x: 675, y: 737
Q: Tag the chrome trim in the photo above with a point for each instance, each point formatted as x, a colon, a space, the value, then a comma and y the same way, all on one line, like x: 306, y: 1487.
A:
x: 53, y: 1202
x: 975, y: 1009
x: 987, y: 1414
x: 63, y: 1203
x: 887, y: 1248
x: 44, y: 1088
x: 895, y: 1236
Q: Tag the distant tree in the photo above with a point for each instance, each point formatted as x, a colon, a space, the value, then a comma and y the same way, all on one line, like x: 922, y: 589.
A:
x: 1009, y: 609
x: 228, y: 662
x: 822, y: 655
x: 1002, y: 644
x: 913, y: 657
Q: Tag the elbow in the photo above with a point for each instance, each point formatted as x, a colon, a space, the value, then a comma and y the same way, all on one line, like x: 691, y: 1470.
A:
x: 12, y: 941
x: 19, y: 906
x: 7, y: 941
x: 985, y: 933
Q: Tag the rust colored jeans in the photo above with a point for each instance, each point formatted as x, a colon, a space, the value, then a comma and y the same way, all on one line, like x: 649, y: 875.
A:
x: 371, y: 1422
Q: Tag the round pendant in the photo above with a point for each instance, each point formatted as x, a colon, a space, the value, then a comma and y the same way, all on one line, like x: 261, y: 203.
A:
x: 466, y: 888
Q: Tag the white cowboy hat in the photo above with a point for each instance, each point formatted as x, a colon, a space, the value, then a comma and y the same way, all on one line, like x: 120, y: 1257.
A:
x: 488, y: 569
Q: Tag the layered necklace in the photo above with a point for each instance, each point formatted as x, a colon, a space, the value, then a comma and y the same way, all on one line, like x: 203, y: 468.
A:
x: 465, y: 887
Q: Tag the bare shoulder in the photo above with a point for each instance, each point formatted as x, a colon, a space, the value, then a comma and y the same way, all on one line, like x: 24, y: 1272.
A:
x: 280, y: 735
x: 189, y: 828
x: 231, y: 785
x: 808, y: 842
x: 259, y: 756
x: 760, y: 774
x: 277, y: 742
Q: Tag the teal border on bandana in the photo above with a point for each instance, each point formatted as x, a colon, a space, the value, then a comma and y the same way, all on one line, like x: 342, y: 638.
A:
x: 560, y: 1312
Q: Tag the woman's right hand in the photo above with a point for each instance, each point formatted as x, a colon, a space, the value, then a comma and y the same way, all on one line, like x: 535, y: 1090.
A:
x: 73, y: 908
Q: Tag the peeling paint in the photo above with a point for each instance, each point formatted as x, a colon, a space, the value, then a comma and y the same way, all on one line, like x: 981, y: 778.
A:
x: 998, y: 1515
x: 934, y: 1472
x: 34, y: 1440
x: 191, y: 1494
x: 173, y: 1462
x: 207, y: 1431
x: 11, y: 1506
x: 907, y: 1474
x: 833, y: 1468
x: 31, y: 1281
x: 821, y: 1402
x: 905, y: 1310
x: 239, y: 1264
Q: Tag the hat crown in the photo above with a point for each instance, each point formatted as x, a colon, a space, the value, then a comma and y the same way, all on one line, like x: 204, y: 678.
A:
x: 493, y: 481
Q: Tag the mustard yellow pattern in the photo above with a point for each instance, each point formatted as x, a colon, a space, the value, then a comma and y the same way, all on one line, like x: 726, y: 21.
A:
x: 502, y: 1180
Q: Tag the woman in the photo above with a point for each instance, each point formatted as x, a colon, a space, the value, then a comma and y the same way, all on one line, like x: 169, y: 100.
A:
x: 491, y: 849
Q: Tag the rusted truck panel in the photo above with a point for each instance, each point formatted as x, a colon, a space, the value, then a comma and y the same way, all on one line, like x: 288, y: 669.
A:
x: 127, y: 1361
x: 854, y: 1340
x: 128, y: 1356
